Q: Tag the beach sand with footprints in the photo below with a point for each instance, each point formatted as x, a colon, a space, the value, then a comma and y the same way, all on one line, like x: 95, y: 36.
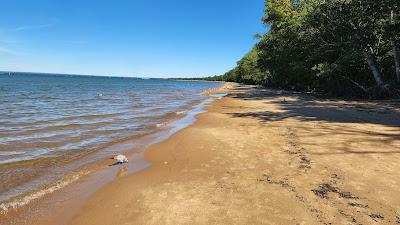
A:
x: 262, y: 156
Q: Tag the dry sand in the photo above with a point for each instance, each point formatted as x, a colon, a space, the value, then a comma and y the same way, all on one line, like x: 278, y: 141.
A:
x: 265, y: 157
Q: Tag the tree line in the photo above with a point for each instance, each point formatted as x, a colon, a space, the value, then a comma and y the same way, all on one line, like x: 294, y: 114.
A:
x: 335, y: 47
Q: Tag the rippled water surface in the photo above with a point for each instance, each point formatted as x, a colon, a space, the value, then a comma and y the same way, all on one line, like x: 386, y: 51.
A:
x: 45, y: 119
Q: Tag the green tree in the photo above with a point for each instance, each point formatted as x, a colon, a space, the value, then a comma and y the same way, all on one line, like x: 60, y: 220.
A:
x: 340, y: 47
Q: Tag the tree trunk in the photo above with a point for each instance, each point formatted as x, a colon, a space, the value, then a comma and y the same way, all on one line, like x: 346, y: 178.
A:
x: 396, y: 62
x: 374, y: 68
x: 395, y: 56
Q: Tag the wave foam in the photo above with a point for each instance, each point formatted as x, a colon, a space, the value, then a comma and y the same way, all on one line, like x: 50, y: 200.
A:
x: 4, y: 207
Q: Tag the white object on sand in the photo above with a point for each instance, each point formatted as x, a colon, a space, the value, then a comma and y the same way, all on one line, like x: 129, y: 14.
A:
x: 121, y: 159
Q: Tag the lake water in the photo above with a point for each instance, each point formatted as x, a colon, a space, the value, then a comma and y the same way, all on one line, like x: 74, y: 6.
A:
x: 49, y: 121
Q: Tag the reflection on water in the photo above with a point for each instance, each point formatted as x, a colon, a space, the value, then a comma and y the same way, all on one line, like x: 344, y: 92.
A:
x: 122, y: 171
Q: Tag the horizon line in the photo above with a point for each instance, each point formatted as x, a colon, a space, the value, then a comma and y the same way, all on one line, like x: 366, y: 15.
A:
x: 95, y: 75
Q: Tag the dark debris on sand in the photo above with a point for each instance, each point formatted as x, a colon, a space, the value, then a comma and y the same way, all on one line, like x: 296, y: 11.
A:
x: 376, y: 216
x: 347, y: 195
x: 358, y: 205
x: 323, y: 190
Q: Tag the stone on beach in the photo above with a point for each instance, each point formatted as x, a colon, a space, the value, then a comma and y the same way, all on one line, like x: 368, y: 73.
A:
x: 121, y: 159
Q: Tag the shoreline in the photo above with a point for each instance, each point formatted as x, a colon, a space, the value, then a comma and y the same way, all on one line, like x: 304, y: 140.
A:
x: 257, y: 157
x: 50, y: 132
x: 85, y: 177
x: 260, y: 156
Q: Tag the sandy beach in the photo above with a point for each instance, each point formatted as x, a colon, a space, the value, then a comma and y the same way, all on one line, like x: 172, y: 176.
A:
x: 269, y: 112
x: 262, y: 156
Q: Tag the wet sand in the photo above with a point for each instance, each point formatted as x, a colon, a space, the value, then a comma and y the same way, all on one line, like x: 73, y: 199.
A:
x: 265, y: 157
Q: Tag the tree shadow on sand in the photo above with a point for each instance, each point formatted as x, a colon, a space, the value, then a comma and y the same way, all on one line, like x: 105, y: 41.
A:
x: 310, y: 108
x: 339, y: 114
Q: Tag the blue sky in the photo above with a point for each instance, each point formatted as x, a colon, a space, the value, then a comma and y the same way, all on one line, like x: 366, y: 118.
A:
x: 146, y: 38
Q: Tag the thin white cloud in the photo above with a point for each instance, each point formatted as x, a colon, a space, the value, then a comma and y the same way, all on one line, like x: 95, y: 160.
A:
x: 32, y: 27
x: 11, y: 52
x: 27, y: 28
x: 7, y: 41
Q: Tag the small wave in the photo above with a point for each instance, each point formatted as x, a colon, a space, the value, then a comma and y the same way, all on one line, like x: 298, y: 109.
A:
x: 25, y: 157
x: 8, y: 153
x: 61, y: 119
x: 47, y: 97
x: 181, y: 112
x: 63, y: 127
x: 219, y: 96
x: 161, y: 124
x: 105, y: 115
x: 5, y: 207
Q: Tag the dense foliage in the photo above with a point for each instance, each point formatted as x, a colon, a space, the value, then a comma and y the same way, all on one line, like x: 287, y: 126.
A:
x: 338, y: 47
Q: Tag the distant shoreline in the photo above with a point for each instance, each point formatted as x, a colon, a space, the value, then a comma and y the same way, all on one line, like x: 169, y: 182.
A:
x: 94, y: 75
x: 67, y: 74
